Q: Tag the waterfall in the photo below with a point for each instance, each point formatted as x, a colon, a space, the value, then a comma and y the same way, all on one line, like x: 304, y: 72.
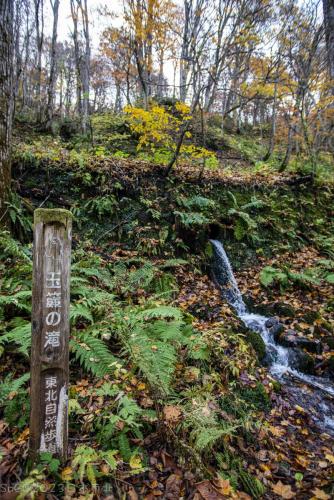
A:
x: 279, y: 355
x: 225, y: 278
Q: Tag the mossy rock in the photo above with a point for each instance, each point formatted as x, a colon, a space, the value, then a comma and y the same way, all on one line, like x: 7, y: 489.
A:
x: 329, y: 341
x: 276, y: 386
x: 256, y: 341
x: 284, y: 309
x: 274, y: 309
x: 310, y: 317
x: 302, y: 361
x: 257, y: 396
x: 208, y: 251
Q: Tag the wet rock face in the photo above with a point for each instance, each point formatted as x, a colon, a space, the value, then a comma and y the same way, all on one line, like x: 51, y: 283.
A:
x: 255, y: 339
x: 291, y: 339
x: 272, y: 309
x: 329, y: 341
x: 275, y: 327
x: 301, y: 361
x: 330, y: 367
x: 270, y: 356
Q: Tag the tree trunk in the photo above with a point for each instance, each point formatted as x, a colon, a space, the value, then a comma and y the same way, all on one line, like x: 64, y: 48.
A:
x: 273, y: 125
x: 85, y: 123
x: 39, y: 22
x: 288, y: 152
x: 74, y: 13
x: 328, y: 8
x: 184, y: 129
x: 184, y: 61
x: 6, y: 101
x: 53, y: 65
x: 118, y: 99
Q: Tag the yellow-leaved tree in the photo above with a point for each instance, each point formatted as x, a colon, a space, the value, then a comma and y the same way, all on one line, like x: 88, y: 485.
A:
x: 157, y: 129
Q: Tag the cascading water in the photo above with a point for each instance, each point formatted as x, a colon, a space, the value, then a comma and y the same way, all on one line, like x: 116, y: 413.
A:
x: 279, y: 355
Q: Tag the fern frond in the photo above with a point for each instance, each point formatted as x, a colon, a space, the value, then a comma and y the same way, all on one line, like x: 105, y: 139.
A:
x: 161, y: 312
x: 10, y: 385
x: 206, y: 437
x: 197, y: 201
x: 170, y: 263
x: 141, y: 277
x: 79, y: 310
x: 92, y: 353
x: 124, y: 446
x: 251, y: 484
x: 254, y: 203
x: 155, y: 359
x: 20, y: 335
x: 164, y: 331
x: 18, y: 299
x: 189, y: 219
x: 12, y: 248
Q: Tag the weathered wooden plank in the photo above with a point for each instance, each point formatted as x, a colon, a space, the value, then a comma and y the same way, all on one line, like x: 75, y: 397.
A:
x: 50, y: 332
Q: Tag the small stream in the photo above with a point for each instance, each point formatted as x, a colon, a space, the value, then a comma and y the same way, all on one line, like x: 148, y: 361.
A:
x: 319, y: 398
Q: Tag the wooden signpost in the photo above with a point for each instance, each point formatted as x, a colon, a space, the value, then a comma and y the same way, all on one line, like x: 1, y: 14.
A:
x: 50, y: 332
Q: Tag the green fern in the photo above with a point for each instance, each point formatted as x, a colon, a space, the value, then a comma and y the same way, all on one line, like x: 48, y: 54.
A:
x: 84, y: 459
x: 251, y: 484
x: 152, y: 338
x: 20, y: 335
x: 12, y: 248
x: 189, y: 219
x: 206, y: 437
x: 142, y: 277
x: 124, y: 446
x: 79, y: 310
x: 21, y: 300
x: 197, y: 201
x: 269, y: 275
x: 161, y: 312
x: 170, y: 263
x: 155, y: 359
x: 10, y: 385
x: 204, y: 425
x: 92, y: 353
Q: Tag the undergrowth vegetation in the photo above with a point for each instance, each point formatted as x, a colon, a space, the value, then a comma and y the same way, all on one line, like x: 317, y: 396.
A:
x: 153, y: 365
x: 125, y: 328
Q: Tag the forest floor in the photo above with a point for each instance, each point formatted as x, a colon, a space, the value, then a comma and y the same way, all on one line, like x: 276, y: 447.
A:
x: 290, y: 454
x: 140, y: 242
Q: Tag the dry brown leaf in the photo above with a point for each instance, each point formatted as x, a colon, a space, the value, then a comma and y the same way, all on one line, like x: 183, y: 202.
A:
x: 277, y: 431
x: 302, y: 460
x: 283, y: 490
x: 320, y: 495
x: 208, y: 492
x: 173, y: 487
x: 223, y: 486
x: 172, y: 413
x: 330, y: 457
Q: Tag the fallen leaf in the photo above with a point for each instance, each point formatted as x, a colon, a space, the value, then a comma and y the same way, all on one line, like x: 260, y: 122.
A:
x: 173, y: 487
x: 320, y: 495
x: 66, y: 474
x: 276, y: 431
x: 23, y: 436
x: 330, y: 457
x: 283, y: 490
x: 172, y: 413
x: 135, y: 462
x: 223, y: 486
x: 208, y: 491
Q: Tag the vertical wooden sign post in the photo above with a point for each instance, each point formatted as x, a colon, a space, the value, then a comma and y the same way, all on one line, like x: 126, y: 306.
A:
x: 50, y: 332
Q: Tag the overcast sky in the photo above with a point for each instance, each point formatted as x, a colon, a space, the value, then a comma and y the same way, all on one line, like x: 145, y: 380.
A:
x: 97, y: 22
